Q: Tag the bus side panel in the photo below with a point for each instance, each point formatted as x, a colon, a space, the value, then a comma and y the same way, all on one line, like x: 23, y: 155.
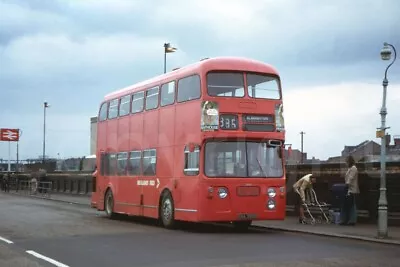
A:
x: 187, y: 124
x: 112, y: 147
x: 187, y: 131
x: 166, y: 128
x: 163, y: 179
x: 150, y: 141
x: 123, y: 146
x: 184, y: 190
x: 186, y: 200
x: 135, y: 143
x: 101, y: 145
x: 150, y: 129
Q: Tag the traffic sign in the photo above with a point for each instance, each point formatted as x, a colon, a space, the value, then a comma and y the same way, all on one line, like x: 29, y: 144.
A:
x: 9, y: 134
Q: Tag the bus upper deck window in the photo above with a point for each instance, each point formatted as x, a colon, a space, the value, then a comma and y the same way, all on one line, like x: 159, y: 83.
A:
x: 228, y: 84
x: 263, y: 86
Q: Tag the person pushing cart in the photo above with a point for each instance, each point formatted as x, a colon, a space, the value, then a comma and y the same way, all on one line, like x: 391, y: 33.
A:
x: 303, y: 187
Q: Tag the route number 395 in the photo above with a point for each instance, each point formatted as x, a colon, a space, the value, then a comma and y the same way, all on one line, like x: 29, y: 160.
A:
x: 228, y: 122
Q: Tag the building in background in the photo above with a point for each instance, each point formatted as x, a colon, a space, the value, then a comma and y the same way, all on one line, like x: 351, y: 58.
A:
x: 93, y: 135
x: 370, y: 151
x: 294, y: 156
x: 361, y: 150
x: 395, y: 148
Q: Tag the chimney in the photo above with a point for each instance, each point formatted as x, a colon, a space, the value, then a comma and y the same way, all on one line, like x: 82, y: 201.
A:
x: 388, y: 139
x: 396, y: 140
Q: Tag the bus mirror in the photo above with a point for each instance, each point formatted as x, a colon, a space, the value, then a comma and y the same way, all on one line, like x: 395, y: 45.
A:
x: 274, y: 143
x: 191, y: 147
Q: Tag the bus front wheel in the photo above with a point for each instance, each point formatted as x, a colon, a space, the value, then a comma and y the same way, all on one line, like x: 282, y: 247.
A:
x: 167, y: 213
x: 109, y: 204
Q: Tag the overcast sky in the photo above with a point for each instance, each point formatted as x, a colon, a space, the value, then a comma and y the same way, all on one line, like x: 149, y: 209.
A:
x: 72, y: 53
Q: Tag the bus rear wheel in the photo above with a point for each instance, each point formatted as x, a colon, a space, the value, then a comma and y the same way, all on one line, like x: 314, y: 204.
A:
x: 242, y: 225
x: 167, y: 209
x: 109, y: 204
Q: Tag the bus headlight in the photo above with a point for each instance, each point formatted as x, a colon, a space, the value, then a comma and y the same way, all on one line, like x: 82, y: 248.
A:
x: 271, y: 204
x: 271, y: 192
x: 222, y: 192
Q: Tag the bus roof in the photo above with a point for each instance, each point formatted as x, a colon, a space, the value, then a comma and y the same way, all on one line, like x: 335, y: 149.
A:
x: 223, y: 63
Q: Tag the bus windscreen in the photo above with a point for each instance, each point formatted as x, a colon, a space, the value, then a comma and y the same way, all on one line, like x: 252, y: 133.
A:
x: 230, y: 84
x: 263, y: 86
x: 242, y: 159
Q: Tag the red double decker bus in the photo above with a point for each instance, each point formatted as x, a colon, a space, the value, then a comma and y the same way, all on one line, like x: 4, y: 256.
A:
x: 203, y: 143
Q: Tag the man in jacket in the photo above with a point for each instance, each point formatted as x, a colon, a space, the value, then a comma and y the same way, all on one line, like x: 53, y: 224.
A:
x: 349, y: 211
x: 301, y: 187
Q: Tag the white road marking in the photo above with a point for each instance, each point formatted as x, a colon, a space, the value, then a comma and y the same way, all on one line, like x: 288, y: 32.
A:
x: 6, y: 240
x: 37, y: 255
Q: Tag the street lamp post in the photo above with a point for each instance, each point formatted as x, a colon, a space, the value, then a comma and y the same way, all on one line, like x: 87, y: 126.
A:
x: 167, y: 49
x: 45, y: 106
x: 302, y: 139
x: 20, y: 134
x: 382, y: 203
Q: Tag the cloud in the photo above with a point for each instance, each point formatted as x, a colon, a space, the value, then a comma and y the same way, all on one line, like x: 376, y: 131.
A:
x: 60, y: 68
x: 288, y: 31
x: 72, y: 53
x: 107, y: 6
x: 20, y: 20
x: 338, y: 114
x: 57, y: 53
x: 233, y: 19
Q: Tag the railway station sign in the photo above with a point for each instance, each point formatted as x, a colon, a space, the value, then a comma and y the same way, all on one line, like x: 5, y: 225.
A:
x: 10, y: 135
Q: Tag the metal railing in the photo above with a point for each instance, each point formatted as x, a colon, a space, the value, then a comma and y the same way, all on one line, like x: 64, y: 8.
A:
x: 35, y: 188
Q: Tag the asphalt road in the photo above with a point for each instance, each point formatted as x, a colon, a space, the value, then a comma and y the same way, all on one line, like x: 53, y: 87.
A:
x: 79, y: 236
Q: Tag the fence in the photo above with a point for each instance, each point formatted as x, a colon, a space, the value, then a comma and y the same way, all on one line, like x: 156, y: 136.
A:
x: 33, y: 187
x: 327, y: 175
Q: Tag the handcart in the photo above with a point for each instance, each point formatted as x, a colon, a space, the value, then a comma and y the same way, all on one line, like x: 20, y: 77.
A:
x: 323, y: 207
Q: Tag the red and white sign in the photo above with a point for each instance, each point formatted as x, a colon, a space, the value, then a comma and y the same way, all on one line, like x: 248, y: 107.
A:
x: 9, y: 134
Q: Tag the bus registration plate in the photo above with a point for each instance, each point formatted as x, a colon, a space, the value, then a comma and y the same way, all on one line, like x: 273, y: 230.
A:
x: 248, y: 191
x: 247, y: 216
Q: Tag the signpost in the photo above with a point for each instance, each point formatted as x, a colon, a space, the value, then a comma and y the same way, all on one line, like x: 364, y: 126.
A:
x: 9, y: 135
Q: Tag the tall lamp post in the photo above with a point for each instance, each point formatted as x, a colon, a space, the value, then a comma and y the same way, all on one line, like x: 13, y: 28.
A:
x: 167, y: 49
x: 302, y: 139
x: 45, y: 106
x: 386, y: 53
x: 20, y: 134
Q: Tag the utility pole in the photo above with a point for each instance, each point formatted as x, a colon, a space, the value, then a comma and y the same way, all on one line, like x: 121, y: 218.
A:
x: 20, y: 134
x: 45, y: 106
x: 302, y: 151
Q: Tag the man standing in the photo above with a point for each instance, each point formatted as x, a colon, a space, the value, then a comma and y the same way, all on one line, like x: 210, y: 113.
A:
x: 6, y: 182
x: 348, y: 215
x: 300, y: 187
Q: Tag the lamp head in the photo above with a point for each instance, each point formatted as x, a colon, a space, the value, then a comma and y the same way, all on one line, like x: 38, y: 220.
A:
x: 386, y: 52
x: 168, y: 48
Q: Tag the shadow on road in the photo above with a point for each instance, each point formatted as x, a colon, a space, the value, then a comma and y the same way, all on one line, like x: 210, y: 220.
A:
x: 190, y: 227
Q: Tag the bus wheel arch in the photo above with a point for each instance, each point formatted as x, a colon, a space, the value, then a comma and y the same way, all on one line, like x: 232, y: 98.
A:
x: 109, y: 203
x: 166, y: 209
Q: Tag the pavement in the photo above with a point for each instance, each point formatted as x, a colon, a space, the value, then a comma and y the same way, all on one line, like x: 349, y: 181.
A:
x: 41, y: 233
x: 364, y: 232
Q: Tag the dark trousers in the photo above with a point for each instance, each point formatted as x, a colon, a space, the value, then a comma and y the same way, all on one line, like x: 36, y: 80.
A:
x: 6, y: 187
x: 348, y: 213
